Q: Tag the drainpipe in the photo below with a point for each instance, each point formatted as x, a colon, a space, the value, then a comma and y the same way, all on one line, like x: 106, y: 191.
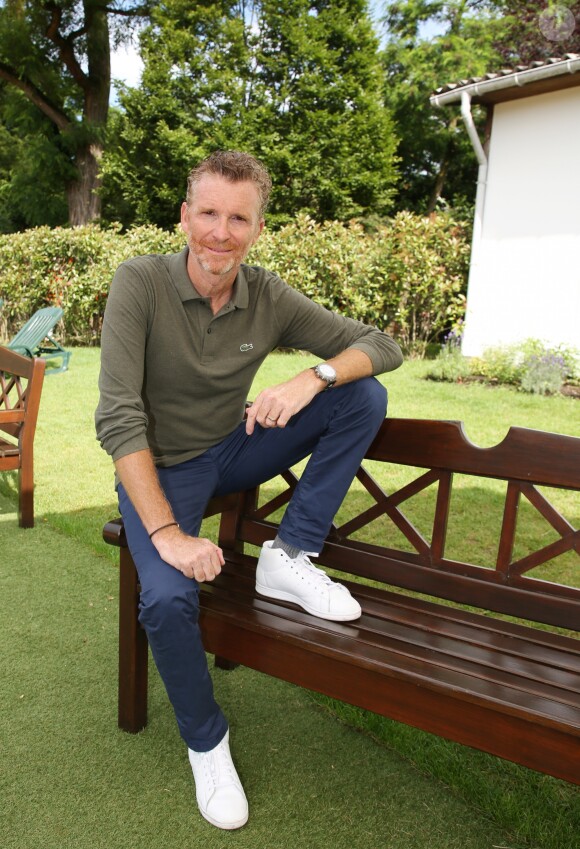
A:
x: 482, y: 172
x: 481, y: 88
x: 479, y: 202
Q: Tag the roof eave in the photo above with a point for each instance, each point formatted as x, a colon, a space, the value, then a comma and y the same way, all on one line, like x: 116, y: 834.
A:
x: 521, y: 83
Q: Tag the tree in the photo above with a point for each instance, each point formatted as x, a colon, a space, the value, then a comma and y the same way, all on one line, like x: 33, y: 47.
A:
x: 436, y: 157
x: 538, y: 30
x: 296, y: 82
x: 190, y: 101
x: 430, y: 43
x: 56, y: 54
x: 32, y: 169
x: 315, y: 111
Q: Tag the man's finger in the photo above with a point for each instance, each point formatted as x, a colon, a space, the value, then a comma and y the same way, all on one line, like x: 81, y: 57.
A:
x: 250, y: 420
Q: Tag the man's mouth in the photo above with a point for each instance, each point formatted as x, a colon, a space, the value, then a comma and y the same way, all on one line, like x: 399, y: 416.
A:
x: 218, y: 250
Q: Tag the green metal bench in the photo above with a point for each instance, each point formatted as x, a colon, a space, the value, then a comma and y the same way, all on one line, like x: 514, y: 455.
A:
x: 36, y: 339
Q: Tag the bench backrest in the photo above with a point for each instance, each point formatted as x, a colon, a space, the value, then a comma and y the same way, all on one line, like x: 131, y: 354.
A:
x: 524, y: 460
x: 21, y: 380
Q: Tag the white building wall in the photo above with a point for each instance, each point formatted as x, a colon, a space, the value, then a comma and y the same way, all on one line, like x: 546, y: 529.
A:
x: 525, y: 269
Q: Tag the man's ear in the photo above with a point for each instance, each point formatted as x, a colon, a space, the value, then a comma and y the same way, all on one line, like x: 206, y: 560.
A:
x: 261, y: 225
x: 184, y: 218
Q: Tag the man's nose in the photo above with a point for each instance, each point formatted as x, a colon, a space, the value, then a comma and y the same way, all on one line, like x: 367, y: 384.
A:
x: 221, y: 229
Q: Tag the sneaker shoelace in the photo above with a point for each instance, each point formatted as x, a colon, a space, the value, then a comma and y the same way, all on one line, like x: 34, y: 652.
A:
x: 218, y: 768
x: 316, y: 576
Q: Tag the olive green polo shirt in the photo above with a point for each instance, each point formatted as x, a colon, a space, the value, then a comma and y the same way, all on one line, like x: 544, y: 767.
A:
x: 175, y: 378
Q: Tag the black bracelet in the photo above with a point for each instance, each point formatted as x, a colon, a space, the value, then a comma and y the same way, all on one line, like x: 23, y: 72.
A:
x: 168, y: 525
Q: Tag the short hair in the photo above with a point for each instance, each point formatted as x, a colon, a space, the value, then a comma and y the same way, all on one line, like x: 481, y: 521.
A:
x: 236, y: 167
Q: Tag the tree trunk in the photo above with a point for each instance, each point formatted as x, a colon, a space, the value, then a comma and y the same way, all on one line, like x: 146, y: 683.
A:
x: 443, y: 167
x: 439, y: 183
x: 84, y: 204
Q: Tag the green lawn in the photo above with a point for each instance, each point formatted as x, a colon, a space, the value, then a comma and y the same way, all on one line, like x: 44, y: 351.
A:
x: 70, y: 779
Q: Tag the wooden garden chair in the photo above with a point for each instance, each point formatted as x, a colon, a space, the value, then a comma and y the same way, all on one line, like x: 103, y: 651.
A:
x: 21, y: 380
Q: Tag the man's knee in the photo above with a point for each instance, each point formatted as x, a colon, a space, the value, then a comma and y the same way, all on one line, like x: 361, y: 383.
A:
x: 371, y: 396
x: 169, y: 605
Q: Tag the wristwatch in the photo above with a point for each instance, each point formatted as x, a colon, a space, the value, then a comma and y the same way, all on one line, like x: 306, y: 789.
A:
x: 325, y: 373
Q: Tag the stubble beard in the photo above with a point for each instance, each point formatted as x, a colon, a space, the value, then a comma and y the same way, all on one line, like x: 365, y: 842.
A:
x: 209, y: 265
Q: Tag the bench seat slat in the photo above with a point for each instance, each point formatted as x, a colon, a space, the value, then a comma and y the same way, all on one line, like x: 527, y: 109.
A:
x: 511, y: 638
x: 528, y: 678
x: 263, y: 628
x: 456, y: 617
x: 377, y: 643
x: 422, y: 615
x: 537, y: 743
x: 488, y: 659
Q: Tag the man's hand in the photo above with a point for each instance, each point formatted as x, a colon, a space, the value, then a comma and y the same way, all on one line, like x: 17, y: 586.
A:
x: 275, y: 406
x: 196, y: 557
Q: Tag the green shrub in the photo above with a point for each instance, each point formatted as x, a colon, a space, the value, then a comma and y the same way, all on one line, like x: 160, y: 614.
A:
x: 71, y: 268
x: 330, y: 263
x: 531, y: 364
x: 408, y: 277
x: 502, y: 364
x: 450, y: 365
x: 424, y: 263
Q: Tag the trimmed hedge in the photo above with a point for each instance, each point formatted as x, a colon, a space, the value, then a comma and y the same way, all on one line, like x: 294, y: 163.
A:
x: 408, y: 277
x: 71, y: 268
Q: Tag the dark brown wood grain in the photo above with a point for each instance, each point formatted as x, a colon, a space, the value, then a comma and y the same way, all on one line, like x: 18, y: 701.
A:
x: 418, y: 654
x: 21, y: 380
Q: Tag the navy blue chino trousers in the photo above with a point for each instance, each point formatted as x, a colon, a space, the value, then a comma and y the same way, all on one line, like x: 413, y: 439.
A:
x: 335, y: 429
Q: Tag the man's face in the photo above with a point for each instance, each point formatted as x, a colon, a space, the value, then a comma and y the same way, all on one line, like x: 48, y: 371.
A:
x: 222, y: 222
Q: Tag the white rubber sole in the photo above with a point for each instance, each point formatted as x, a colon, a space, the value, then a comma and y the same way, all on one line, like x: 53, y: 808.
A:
x: 225, y: 826
x: 281, y: 595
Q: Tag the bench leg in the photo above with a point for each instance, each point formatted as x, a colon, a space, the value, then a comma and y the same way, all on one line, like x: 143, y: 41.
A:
x: 26, y: 494
x: 133, y: 650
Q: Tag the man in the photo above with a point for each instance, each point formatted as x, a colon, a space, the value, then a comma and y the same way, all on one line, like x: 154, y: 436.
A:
x: 183, y: 337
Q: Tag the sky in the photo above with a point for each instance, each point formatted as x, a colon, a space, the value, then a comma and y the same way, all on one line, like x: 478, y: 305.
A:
x: 126, y: 65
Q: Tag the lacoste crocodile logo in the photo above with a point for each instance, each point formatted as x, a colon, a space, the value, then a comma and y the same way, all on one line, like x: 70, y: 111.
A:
x: 247, y: 346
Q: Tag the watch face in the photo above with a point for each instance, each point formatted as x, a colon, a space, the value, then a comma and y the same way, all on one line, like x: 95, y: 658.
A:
x: 326, y: 372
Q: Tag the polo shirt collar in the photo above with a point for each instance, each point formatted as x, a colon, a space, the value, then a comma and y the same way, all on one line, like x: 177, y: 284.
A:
x: 180, y: 278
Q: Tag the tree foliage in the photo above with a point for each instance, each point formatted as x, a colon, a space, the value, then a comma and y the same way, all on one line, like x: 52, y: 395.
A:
x: 296, y: 82
x: 56, y: 55
x: 527, y: 36
x: 301, y: 83
x: 33, y: 169
x: 437, y: 161
x: 431, y: 43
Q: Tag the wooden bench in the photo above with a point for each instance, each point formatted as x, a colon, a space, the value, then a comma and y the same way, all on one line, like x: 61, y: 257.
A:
x: 419, y: 654
x: 21, y: 380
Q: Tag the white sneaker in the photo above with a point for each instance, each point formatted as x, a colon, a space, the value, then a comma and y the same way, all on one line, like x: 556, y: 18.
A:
x: 218, y: 789
x: 279, y: 576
